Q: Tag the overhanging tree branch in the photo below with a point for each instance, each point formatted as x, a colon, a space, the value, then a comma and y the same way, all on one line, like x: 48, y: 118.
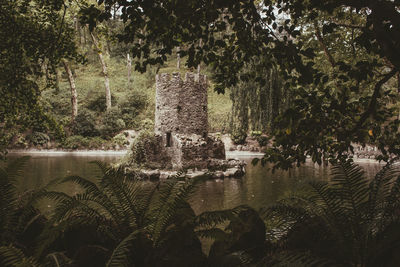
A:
x: 374, y: 99
x: 323, y: 45
x: 351, y: 26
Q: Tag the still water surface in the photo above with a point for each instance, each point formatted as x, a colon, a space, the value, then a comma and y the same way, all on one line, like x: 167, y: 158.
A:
x: 258, y: 188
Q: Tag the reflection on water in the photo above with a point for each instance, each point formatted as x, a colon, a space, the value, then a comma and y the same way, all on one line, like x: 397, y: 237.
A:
x: 258, y: 188
x: 41, y: 169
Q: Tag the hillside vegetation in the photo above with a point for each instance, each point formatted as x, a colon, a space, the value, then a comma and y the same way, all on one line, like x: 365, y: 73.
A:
x: 133, y: 105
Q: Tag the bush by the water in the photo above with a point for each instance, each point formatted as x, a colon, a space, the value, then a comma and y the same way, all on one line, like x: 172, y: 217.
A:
x: 261, y: 139
x: 96, y: 101
x: 147, y: 125
x: 238, y: 136
x: 112, y: 122
x: 131, y: 107
x: 121, y: 139
x: 38, y: 138
x: 85, y: 123
x: 140, y: 147
x: 81, y: 142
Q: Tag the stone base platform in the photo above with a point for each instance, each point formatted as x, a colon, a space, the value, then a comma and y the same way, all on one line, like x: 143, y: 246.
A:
x: 217, y: 168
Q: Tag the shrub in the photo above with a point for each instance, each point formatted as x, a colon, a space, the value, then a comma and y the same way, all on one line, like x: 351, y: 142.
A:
x: 238, y: 136
x: 112, y: 123
x: 144, y: 140
x: 96, y: 101
x: 81, y: 142
x: 85, y: 124
x: 37, y: 120
x: 75, y: 142
x: 20, y: 141
x: 147, y: 125
x: 131, y: 107
x: 96, y: 142
x: 38, y: 138
x: 262, y: 140
x: 120, y: 140
x: 147, y: 152
x: 255, y: 133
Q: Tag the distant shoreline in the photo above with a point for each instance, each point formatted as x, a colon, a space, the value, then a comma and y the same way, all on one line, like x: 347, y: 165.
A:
x: 60, y: 152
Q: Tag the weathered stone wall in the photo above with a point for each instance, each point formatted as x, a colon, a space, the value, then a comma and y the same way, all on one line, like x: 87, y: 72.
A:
x: 194, y: 151
x: 181, y: 105
x: 182, y: 122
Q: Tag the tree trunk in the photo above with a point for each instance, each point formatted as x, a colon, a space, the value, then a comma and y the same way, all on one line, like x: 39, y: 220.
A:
x: 105, y: 72
x: 76, y: 25
x: 83, y: 36
x: 198, y: 66
x: 178, y: 57
x: 323, y: 44
x: 129, y: 66
x: 58, y: 75
x: 398, y: 82
x: 74, y: 94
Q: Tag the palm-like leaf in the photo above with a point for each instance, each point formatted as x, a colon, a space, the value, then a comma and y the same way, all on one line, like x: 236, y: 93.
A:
x: 125, y: 212
x: 302, y: 259
x: 349, y: 212
x: 174, y: 195
x: 10, y: 203
x: 121, y: 256
x: 11, y: 256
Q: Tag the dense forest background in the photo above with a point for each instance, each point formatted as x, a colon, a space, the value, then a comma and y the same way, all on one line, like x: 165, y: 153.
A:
x: 318, y: 76
x: 92, y: 92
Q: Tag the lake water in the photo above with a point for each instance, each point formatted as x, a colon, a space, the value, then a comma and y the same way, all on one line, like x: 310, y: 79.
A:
x: 258, y: 188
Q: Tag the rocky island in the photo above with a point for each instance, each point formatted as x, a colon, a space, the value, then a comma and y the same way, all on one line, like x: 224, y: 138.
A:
x: 180, y: 140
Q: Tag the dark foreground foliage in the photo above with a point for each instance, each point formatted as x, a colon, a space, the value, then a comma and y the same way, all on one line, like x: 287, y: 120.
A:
x: 118, y: 221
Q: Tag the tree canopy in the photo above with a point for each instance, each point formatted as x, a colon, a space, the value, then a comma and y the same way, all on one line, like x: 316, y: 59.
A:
x: 338, y: 60
x: 35, y: 37
x: 335, y: 57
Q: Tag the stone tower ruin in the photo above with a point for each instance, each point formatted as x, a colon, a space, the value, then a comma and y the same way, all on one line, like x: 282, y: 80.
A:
x: 181, y: 105
x: 181, y: 121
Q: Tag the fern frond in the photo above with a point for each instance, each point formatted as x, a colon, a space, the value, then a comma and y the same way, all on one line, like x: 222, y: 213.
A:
x: 11, y: 256
x: 350, y: 179
x: 103, y: 167
x: 9, y: 175
x: 72, y: 206
x: 147, y: 198
x: 123, y: 252
x: 212, y: 233
x: 15, y: 168
x: 179, y: 193
x: 95, y: 194
x: 285, y: 211
x: 58, y: 259
x: 379, y: 194
x: 304, y: 259
x: 124, y: 193
x: 392, y: 207
x: 213, y: 218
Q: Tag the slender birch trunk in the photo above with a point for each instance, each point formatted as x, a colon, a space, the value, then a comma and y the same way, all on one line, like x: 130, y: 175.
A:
x: 105, y: 72
x: 74, y: 94
x: 129, y: 66
x: 198, y: 66
x: 82, y: 33
x: 178, y: 57
x: 58, y: 75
